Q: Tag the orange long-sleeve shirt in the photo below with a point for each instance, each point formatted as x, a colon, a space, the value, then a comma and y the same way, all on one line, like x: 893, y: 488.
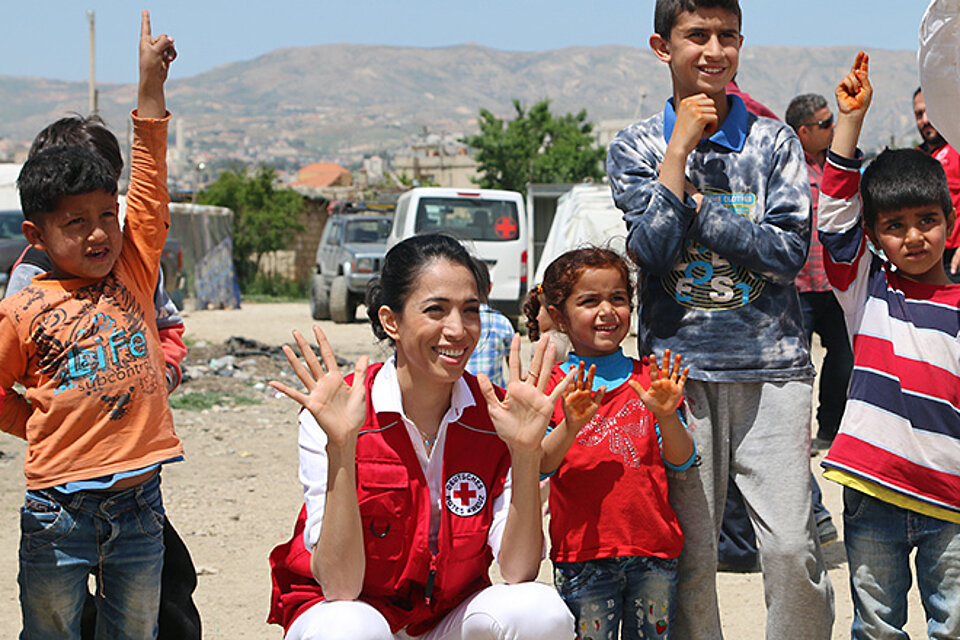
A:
x: 88, y: 352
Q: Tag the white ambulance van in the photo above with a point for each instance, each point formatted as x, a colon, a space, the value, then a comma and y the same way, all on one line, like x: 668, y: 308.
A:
x: 491, y: 224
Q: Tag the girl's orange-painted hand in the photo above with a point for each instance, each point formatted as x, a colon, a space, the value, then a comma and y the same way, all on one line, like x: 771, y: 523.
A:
x: 580, y: 402
x: 854, y: 92
x: 666, y: 386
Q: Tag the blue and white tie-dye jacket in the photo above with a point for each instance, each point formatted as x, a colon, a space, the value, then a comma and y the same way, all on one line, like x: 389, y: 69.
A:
x: 717, y: 285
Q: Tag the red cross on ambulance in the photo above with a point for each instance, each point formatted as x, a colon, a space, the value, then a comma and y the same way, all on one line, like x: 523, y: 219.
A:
x: 506, y: 228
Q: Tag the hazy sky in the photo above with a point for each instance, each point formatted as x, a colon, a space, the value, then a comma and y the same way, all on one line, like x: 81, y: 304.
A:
x: 49, y: 38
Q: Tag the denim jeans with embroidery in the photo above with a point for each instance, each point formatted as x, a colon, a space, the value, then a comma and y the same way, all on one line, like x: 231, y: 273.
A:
x: 879, y: 537
x: 116, y: 535
x: 637, y: 592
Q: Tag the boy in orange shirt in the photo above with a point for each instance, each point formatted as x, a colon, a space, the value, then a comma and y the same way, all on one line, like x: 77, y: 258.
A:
x: 94, y: 411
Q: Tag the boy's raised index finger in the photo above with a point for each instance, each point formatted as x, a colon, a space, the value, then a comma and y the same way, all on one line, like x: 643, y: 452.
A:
x: 144, y: 24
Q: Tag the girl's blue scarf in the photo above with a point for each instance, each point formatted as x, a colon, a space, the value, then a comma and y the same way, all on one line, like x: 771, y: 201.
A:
x: 612, y: 370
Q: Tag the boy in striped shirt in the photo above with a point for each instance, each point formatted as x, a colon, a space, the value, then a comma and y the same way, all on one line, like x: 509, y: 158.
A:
x: 898, y: 449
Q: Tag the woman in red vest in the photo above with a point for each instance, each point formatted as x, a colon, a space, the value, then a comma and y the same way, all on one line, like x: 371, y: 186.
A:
x: 417, y: 475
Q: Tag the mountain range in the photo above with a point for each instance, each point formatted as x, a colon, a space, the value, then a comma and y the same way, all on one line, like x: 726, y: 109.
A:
x: 345, y: 100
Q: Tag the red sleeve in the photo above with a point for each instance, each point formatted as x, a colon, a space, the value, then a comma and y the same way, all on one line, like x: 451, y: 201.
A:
x: 172, y: 342
x: 173, y: 353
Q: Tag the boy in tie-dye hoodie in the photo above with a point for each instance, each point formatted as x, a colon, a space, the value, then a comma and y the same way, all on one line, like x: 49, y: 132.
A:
x: 717, y: 208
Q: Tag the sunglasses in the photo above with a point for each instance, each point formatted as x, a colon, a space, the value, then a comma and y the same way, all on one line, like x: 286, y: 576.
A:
x: 823, y: 124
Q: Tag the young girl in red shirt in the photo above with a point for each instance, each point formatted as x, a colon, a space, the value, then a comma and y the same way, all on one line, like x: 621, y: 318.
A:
x: 614, y: 537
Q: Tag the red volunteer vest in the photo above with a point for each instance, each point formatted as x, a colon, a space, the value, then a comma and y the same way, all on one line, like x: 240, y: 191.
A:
x: 609, y: 496
x: 403, y: 580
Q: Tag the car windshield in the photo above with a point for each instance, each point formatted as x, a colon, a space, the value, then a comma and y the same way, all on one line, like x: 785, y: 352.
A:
x: 470, y: 218
x: 367, y: 231
x: 10, y: 222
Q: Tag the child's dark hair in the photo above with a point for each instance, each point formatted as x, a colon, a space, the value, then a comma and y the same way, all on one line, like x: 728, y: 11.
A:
x: 562, y: 275
x: 483, y: 272
x: 531, y: 309
x: 902, y: 178
x: 90, y: 132
x: 58, y: 172
x: 402, y: 266
x: 667, y: 11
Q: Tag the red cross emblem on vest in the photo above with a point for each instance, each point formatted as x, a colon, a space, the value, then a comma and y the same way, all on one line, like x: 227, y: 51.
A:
x: 465, y: 494
x: 506, y: 228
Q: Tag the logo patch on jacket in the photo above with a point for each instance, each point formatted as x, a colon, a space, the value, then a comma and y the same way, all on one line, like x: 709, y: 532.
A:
x: 465, y: 494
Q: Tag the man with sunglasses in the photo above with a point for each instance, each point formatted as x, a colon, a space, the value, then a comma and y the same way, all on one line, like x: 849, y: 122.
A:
x: 810, y: 116
x: 935, y: 145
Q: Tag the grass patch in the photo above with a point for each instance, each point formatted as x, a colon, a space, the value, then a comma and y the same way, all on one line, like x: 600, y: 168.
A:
x: 275, y: 289
x: 199, y: 401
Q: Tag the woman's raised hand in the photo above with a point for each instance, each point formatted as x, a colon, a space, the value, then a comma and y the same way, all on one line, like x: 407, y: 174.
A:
x: 522, y: 416
x: 340, y: 409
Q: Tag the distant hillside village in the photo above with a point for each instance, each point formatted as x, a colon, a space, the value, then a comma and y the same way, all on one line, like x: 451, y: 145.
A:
x: 378, y: 119
x: 427, y: 159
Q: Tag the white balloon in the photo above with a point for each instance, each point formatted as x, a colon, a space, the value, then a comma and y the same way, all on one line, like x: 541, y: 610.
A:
x: 938, y: 59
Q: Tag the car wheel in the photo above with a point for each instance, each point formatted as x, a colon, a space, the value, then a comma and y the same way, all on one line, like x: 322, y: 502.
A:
x: 319, y: 299
x: 343, y: 307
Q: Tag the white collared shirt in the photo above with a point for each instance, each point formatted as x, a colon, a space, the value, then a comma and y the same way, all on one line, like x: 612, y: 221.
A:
x: 385, y: 396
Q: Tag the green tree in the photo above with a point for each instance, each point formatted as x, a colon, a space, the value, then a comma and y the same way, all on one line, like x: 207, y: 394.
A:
x: 264, y: 216
x: 535, y: 146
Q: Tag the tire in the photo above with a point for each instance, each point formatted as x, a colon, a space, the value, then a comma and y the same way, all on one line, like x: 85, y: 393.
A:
x: 319, y: 299
x: 343, y: 306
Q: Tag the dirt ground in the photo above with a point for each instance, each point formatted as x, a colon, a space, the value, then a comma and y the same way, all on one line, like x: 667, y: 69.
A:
x: 237, y: 493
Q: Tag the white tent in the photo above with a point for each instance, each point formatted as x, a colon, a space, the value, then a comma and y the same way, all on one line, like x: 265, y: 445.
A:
x: 586, y: 215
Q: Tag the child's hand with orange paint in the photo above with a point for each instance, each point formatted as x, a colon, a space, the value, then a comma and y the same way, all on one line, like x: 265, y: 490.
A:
x: 854, y: 95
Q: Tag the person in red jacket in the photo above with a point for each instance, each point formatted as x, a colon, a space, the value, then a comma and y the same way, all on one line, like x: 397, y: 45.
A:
x: 935, y: 145
x: 417, y: 475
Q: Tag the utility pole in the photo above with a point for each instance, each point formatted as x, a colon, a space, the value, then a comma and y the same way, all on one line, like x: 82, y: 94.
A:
x: 92, y: 90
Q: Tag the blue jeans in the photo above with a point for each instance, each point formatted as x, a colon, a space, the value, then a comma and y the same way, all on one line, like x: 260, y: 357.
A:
x: 116, y: 534
x: 879, y: 537
x: 640, y: 591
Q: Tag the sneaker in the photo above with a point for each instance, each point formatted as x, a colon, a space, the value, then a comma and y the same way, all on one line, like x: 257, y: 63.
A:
x: 827, y: 532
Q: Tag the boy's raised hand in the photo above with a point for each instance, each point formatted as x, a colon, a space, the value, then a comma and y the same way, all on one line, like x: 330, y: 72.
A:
x: 696, y: 118
x: 156, y: 54
x: 854, y: 95
x: 666, y: 386
x: 854, y: 92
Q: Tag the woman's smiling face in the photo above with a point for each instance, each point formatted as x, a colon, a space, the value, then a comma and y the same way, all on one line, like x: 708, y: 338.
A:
x: 439, y: 326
